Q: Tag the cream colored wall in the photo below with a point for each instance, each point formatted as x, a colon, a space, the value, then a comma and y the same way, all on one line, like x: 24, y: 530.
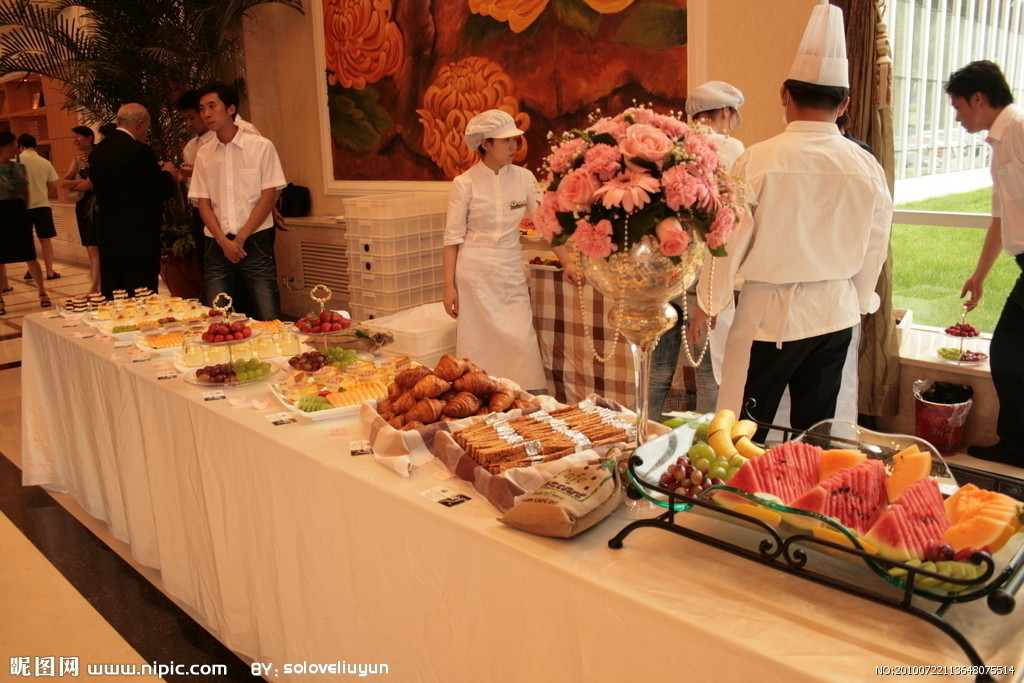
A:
x: 749, y: 43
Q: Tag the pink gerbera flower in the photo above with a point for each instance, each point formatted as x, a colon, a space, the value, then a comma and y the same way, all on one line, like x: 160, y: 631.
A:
x: 630, y: 189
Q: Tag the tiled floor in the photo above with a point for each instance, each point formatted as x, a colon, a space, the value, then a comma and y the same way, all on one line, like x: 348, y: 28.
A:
x: 69, y: 589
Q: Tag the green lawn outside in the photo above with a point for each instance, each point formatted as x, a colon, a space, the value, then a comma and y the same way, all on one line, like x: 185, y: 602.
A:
x: 931, y: 264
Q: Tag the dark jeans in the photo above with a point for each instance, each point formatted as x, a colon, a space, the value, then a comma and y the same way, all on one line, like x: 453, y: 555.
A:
x: 663, y: 366
x: 812, y: 368
x: 1007, y: 365
x: 258, y: 272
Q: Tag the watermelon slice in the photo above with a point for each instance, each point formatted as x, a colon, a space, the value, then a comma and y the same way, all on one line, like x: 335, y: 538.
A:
x: 914, y: 522
x: 855, y: 496
x: 786, y: 471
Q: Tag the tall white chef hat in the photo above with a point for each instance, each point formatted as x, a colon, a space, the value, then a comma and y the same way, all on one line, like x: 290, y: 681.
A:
x: 493, y: 123
x: 715, y: 95
x: 821, y: 58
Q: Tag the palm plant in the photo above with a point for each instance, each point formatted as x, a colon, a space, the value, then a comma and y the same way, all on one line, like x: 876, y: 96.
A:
x: 105, y: 53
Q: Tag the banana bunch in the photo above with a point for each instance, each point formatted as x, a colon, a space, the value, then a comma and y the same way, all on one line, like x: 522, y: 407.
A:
x: 729, y: 436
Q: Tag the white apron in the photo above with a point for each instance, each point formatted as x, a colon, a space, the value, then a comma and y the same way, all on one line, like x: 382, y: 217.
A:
x: 495, y: 317
x: 753, y: 302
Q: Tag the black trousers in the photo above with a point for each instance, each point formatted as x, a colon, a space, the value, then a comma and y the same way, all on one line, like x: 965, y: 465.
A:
x: 1007, y: 363
x: 128, y: 272
x: 812, y: 368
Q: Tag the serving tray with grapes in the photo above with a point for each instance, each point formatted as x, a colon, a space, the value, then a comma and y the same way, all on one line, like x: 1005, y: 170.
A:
x: 210, y: 376
x: 818, y: 548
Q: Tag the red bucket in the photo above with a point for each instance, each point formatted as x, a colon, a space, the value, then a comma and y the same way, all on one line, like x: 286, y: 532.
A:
x: 941, y: 424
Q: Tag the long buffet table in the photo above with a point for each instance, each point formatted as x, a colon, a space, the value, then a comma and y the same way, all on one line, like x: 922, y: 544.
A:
x: 291, y: 550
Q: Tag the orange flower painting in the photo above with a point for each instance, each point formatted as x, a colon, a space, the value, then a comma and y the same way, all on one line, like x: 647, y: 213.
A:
x: 403, y: 77
x: 362, y: 44
x: 460, y: 92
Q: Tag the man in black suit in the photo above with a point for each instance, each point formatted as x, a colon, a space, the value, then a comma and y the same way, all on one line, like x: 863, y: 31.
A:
x: 130, y: 188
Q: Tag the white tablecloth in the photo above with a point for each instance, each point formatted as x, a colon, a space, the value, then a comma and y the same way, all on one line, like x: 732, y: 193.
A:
x: 290, y: 550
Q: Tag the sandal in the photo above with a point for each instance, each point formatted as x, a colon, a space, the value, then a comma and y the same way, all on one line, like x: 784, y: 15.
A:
x: 44, y: 301
x: 8, y: 289
x: 53, y: 277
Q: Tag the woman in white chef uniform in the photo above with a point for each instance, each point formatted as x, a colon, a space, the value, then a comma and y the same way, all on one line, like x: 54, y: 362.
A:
x: 484, y: 282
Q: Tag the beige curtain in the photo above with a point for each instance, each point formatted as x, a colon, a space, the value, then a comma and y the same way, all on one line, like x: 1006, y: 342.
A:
x: 867, y: 47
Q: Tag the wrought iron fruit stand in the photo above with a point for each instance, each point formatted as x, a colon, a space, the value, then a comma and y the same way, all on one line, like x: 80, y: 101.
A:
x: 889, y: 582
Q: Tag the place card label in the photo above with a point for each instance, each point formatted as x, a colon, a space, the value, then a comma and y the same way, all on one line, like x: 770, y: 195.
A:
x: 51, y: 314
x: 445, y: 496
x: 84, y: 335
x: 123, y: 343
x: 278, y: 419
x: 167, y: 374
x: 142, y: 358
x: 69, y: 323
x: 359, y: 448
x: 215, y: 395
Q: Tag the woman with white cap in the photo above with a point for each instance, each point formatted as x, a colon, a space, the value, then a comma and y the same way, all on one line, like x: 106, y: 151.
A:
x: 714, y: 104
x: 484, y: 282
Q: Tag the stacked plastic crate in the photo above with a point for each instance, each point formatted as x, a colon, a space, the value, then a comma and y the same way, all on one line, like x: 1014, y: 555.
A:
x: 394, y: 246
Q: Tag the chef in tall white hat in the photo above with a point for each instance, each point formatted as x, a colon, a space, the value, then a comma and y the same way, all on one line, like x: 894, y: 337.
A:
x: 809, y: 248
x: 484, y: 283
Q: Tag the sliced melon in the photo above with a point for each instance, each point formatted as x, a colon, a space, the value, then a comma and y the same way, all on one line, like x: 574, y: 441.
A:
x: 908, y: 466
x: 839, y: 459
x: 840, y: 538
x: 978, y: 532
x: 757, y: 512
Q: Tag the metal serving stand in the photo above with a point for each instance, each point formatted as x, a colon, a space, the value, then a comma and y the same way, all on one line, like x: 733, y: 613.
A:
x: 788, y: 553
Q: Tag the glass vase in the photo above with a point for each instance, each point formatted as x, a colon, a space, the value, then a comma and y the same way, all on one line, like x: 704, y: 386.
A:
x: 643, y: 281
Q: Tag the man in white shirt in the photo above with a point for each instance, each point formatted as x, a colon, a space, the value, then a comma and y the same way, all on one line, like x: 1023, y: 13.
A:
x: 810, y: 246
x: 42, y: 180
x: 236, y: 180
x: 983, y: 101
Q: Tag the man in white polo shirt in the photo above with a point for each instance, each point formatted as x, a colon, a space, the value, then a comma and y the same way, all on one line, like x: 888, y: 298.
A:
x: 42, y: 179
x: 236, y: 180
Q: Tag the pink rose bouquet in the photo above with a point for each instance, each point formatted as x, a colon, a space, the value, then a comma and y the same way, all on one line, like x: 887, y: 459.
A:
x: 636, y: 174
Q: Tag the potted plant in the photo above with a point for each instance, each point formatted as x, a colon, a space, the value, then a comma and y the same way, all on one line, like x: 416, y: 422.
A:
x: 105, y: 53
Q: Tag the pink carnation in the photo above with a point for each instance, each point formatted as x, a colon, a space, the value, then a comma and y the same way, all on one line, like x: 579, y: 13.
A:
x: 707, y: 157
x: 721, y: 229
x: 681, y: 188
x: 616, y: 127
x: 593, y: 240
x: 672, y: 239
x: 563, y: 158
x: 646, y: 142
x: 545, y: 217
x: 603, y: 161
x: 576, y: 191
x: 671, y: 126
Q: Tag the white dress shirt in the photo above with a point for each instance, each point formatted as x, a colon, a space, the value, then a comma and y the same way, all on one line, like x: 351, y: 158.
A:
x: 809, y: 254
x: 233, y: 176
x: 485, y: 207
x: 1007, y: 140
x: 192, y: 147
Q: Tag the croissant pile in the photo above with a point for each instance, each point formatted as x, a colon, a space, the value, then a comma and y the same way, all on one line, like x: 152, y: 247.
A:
x: 454, y: 389
x: 539, y: 437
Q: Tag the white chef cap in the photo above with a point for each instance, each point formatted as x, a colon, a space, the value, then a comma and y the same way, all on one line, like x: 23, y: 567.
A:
x: 821, y: 58
x: 490, y: 124
x: 715, y: 95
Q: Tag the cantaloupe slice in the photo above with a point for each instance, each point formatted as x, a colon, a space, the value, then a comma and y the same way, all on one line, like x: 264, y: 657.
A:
x: 757, y: 512
x: 908, y: 466
x: 838, y: 459
x: 977, y: 532
x: 969, y: 501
